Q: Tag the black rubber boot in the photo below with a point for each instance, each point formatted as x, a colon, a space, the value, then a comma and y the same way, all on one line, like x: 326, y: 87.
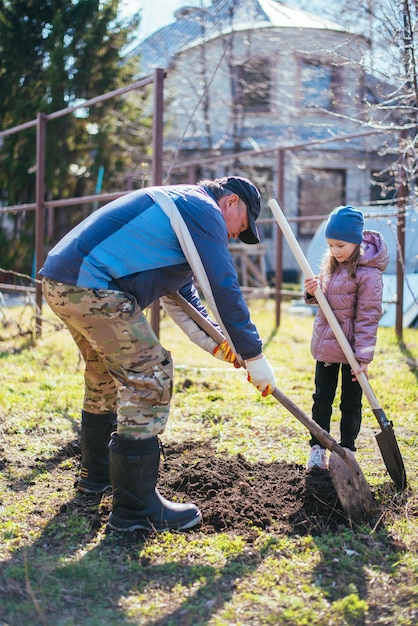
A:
x: 95, y: 436
x: 137, y: 504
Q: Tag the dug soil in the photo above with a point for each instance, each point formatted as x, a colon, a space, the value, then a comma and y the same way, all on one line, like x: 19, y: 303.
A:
x: 233, y: 494
x: 236, y: 495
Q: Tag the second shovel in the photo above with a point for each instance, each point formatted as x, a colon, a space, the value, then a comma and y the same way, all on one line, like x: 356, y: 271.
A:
x: 386, y: 439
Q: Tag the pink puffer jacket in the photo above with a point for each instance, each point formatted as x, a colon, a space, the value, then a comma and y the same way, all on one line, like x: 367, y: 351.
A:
x: 357, y: 304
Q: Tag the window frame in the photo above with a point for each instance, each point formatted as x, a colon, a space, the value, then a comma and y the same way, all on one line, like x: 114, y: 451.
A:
x: 335, y: 195
x: 253, y: 96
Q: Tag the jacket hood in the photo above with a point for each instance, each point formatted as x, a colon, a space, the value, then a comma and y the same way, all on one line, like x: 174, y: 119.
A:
x: 375, y: 250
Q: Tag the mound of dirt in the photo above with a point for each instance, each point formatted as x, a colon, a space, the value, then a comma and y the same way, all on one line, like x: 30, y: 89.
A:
x: 236, y: 495
x: 233, y: 494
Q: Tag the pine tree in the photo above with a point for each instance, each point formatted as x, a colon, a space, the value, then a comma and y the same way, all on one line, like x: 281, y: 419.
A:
x: 55, y: 54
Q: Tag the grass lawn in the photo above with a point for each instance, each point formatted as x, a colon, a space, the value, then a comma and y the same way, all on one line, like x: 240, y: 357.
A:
x: 60, y: 567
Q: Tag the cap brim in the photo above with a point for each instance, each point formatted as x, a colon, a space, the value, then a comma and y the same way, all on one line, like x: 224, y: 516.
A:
x: 250, y: 235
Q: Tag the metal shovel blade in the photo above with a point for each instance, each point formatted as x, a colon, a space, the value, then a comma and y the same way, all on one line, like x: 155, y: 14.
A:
x: 346, y: 476
x: 392, y: 458
x: 351, y: 486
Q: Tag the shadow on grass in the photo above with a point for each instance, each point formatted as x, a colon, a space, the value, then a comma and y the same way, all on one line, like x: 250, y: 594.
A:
x: 53, y: 582
x: 270, y: 338
x: 76, y: 573
x: 356, y: 561
x: 409, y: 358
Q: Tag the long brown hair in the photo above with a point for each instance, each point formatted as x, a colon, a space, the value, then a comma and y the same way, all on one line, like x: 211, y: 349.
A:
x: 329, y: 263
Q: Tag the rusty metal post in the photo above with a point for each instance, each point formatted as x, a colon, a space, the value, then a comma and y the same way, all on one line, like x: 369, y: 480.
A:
x: 401, y: 192
x: 39, y: 212
x: 400, y: 265
x: 157, y: 128
x: 279, y: 235
x: 157, y: 163
x: 191, y: 174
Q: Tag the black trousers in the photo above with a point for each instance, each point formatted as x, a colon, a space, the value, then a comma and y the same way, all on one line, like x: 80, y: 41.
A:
x: 326, y: 379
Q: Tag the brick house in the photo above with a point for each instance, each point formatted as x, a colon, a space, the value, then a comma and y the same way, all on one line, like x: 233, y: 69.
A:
x: 248, y: 77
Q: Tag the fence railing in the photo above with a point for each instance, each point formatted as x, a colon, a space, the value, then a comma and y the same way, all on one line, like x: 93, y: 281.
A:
x: 190, y: 166
x: 41, y: 121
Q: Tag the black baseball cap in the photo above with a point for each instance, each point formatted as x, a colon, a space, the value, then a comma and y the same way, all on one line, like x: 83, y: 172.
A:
x: 250, y: 195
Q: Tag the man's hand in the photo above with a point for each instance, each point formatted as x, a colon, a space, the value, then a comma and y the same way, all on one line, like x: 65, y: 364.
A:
x: 261, y: 375
x: 224, y: 353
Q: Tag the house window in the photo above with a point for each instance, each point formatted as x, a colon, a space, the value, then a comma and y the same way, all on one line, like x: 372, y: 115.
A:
x: 320, y: 191
x: 252, y: 85
x: 318, y: 82
x: 383, y: 187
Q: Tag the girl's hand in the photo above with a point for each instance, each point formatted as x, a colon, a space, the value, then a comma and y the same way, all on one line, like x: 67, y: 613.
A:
x: 310, y: 285
x: 363, y: 367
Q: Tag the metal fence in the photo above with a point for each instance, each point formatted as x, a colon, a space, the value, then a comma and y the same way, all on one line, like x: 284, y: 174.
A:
x: 190, y: 167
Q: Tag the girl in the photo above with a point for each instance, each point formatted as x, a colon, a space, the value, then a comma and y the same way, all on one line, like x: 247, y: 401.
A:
x: 351, y: 279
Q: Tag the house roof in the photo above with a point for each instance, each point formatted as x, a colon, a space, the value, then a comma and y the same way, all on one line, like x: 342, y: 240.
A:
x: 194, y: 25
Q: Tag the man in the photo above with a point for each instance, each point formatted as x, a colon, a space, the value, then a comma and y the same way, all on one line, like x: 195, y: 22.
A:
x: 100, y: 277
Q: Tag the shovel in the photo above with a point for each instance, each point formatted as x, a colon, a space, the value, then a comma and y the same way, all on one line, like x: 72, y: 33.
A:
x: 386, y: 439
x: 346, y: 476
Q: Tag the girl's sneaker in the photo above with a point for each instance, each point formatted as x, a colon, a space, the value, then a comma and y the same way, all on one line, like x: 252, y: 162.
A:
x: 317, y: 458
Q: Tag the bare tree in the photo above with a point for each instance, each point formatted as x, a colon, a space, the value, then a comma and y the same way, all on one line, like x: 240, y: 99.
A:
x: 392, y: 29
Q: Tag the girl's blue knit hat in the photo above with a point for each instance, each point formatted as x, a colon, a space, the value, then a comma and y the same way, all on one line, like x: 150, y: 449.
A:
x: 345, y: 224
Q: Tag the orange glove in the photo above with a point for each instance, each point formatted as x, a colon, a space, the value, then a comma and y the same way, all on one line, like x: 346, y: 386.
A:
x: 224, y: 353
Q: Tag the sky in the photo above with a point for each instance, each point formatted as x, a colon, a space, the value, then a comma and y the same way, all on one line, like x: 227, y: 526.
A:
x: 155, y: 13
x: 158, y: 13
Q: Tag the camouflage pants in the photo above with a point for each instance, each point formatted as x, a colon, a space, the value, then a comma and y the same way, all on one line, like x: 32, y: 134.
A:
x: 127, y: 371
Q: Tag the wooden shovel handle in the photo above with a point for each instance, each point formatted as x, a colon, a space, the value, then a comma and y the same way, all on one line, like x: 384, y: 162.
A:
x: 197, y: 317
x: 325, y: 438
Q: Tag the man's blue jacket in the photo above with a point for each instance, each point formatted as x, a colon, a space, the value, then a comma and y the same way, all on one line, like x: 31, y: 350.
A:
x: 130, y: 245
